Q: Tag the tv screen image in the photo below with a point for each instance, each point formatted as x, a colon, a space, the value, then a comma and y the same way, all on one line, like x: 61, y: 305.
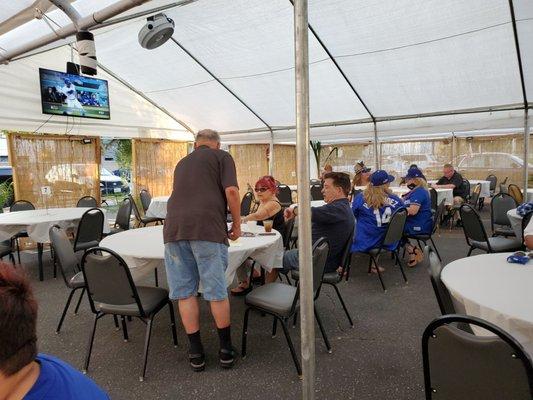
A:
x: 73, y: 95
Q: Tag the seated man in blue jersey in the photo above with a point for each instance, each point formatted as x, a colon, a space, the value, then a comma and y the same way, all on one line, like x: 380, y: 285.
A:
x: 333, y: 220
x: 24, y: 374
x: 373, y: 209
x: 419, y: 218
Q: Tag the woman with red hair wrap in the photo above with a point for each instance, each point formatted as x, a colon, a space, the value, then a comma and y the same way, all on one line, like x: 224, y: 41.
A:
x: 269, y: 208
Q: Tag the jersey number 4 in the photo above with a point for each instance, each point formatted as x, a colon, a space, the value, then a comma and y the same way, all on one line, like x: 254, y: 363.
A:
x: 383, y: 219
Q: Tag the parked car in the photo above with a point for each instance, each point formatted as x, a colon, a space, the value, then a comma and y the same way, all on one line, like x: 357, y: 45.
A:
x: 480, y: 165
x: 110, y: 184
x: 6, y: 173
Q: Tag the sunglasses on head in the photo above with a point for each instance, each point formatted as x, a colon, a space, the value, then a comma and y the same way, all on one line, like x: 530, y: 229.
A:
x: 261, y: 189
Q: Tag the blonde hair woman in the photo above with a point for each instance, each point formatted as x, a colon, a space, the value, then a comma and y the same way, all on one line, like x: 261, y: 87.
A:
x: 373, y: 209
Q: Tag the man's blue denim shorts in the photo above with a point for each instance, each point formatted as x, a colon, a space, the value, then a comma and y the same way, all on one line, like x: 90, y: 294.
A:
x: 190, y: 261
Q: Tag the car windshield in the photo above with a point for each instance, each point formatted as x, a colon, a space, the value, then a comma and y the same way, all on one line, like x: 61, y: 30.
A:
x: 105, y: 172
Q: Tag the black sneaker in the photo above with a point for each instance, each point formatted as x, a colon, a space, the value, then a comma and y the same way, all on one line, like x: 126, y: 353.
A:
x: 197, y: 362
x: 227, y: 357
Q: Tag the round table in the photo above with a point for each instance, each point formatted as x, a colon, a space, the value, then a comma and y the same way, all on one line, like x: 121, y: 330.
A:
x: 488, y: 287
x: 158, y: 207
x: 143, y: 250
x: 38, y: 222
x: 516, y: 222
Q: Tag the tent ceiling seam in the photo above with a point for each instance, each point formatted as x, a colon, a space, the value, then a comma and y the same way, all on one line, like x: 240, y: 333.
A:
x: 220, y: 82
x: 315, y: 34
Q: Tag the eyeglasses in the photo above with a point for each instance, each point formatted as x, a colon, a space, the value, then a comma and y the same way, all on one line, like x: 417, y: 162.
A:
x: 261, y: 190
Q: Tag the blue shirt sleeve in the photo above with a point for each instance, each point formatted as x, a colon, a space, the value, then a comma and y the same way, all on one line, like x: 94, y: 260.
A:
x: 357, y: 202
x: 418, y: 196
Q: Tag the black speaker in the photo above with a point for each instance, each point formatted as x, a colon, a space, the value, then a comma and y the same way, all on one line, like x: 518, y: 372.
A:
x: 72, y: 68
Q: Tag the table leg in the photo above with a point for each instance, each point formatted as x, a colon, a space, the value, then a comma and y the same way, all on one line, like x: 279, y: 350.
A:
x: 40, y: 259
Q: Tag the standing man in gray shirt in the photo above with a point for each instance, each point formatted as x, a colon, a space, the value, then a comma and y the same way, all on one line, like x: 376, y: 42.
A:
x: 196, y: 241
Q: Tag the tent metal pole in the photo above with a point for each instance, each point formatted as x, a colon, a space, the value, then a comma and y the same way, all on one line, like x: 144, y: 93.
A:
x: 377, y: 154
x: 307, y: 321
x: 271, y: 155
x: 526, y: 152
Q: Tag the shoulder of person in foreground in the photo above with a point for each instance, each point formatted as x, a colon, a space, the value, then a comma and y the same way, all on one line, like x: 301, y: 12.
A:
x: 65, y: 382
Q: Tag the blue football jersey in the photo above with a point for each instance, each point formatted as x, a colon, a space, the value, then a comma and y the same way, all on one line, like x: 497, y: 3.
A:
x: 371, y: 224
x: 422, y: 222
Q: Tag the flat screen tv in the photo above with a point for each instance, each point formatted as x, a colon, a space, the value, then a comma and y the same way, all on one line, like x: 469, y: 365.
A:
x: 73, y: 95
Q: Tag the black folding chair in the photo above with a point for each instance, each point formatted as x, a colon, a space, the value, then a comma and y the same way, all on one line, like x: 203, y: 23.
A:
x: 90, y: 230
x: 476, y: 236
x: 284, y: 195
x: 143, y: 220
x: 281, y: 301
x: 462, y: 366
x: 122, y: 220
x: 434, y: 199
x: 503, y: 185
x: 70, y: 271
x: 393, y: 235
x: 87, y: 201
x: 493, y: 179
x: 146, y: 199
x: 20, y: 205
x: 474, y: 197
x: 246, y: 203
x: 112, y: 291
x: 499, y: 221
x: 316, y: 192
x: 425, y: 238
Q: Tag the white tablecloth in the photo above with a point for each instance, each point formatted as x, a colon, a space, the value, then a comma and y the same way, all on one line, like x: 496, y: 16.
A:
x: 314, y: 203
x: 143, y: 250
x: 442, y: 193
x: 38, y: 222
x: 158, y: 207
x: 516, y: 222
x: 488, y: 287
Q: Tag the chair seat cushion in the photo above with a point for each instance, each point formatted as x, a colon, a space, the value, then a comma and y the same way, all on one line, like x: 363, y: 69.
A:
x: 76, y: 281
x: 152, y: 299
x: 504, y: 231
x: 499, y: 244
x: 276, y: 298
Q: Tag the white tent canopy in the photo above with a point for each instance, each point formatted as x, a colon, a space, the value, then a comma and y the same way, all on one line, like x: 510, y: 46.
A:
x: 415, y: 67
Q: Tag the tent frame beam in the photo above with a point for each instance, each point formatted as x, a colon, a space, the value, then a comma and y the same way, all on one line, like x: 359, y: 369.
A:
x: 216, y: 78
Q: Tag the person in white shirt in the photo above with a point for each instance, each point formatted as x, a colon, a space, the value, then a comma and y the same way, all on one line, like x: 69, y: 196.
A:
x: 72, y: 101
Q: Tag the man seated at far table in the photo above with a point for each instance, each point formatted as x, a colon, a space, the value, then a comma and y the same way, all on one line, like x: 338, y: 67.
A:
x: 334, y: 220
x: 452, y: 180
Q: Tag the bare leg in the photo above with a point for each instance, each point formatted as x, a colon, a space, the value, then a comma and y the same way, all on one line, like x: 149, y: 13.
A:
x: 190, y: 314
x: 221, y: 313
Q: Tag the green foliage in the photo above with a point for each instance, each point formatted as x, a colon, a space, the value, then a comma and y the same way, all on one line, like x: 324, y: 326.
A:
x: 123, y: 153
x: 6, y: 192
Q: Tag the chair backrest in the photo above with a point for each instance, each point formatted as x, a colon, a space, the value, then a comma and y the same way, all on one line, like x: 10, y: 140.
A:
x: 91, y: 226
x: 462, y: 366
x: 472, y: 225
x: 438, y: 215
x: 316, y: 192
x: 434, y: 267
x: 87, y: 201
x: 320, y: 256
x: 346, y: 257
x: 68, y: 262
x: 466, y: 186
x: 499, y: 205
x: 135, y: 208
x: 516, y: 193
x: 434, y: 199
x: 503, y: 188
x: 525, y: 222
x: 21, y: 205
x: 287, y: 233
x: 246, y: 203
x: 474, y: 198
x: 146, y: 199
x: 122, y: 220
x: 284, y: 195
x: 108, y: 279
x: 395, y: 228
x: 493, y: 179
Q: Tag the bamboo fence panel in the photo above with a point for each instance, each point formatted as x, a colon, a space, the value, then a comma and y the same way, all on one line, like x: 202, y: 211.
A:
x: 284, y: 167
x: 251, y: 163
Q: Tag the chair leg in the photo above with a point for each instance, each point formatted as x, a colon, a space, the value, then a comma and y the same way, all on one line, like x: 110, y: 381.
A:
x: 156, y: 278
x: 470, y: 251
x: 173, y: 324
x: 435, y: 247
x: 12, y: 258
x: 244, y: 333
x: 146, y: 346
x: 274, y: 327
x: 115, y: 319
x: 90, y: 346
x: 79, y: 301
x: 65, y: 311
x: 124, y: 328
x: 18, y: 248
x: 291, y: 347
x: 343, y: 304
x: 399, y: 262
x: 322, y: 331
x: 372, y: 260
x: 294, y: 319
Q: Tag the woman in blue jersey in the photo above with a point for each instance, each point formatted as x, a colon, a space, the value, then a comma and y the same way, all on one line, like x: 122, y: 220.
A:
x: 373, y: 209
x: 419, y: 218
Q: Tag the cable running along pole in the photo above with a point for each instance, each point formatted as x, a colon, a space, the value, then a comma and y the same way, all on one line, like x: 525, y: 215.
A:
x: 307, y: 322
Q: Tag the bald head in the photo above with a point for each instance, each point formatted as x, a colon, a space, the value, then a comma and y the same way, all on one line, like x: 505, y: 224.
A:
x: 207, y: 137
